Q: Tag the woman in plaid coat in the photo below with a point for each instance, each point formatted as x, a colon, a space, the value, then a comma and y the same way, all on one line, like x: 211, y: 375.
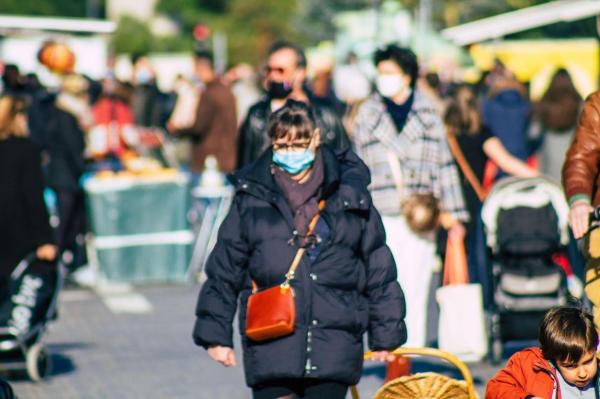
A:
x: 398, y: 124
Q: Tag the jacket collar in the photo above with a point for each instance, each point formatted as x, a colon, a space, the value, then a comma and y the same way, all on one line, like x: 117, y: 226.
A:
x: 259, y: 173
x: 420, y: 103
x: 543, y: 365
x: 344, y: 173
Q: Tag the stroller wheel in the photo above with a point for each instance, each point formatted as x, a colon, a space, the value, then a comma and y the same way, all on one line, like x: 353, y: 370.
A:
x: 38, y: 362
x: 496, y: 351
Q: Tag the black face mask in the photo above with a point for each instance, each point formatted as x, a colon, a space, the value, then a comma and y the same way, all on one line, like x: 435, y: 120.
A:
x: 278, y: 90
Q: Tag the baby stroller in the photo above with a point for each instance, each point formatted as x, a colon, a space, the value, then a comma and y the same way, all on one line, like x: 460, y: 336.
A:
x: 526, y: 224
x: 30, y: 304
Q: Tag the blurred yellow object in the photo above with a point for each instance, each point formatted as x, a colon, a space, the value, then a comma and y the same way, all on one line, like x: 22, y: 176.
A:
x: 75, y: 84
x: 142, y: 165
x: 128, y: 154
x: 594, y: 243
x: 536, y: 61
x: 105, y: 174
x: 426, y: 385
x: 471, y: 75
x: 57, y: 57
x: 125, y: 174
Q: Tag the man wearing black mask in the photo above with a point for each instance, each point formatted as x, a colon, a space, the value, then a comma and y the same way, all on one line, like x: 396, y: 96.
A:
x: 285, y: 74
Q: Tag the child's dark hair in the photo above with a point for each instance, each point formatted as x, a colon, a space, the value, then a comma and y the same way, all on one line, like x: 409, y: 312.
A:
x: 567, y: 333
x: 295, y: 118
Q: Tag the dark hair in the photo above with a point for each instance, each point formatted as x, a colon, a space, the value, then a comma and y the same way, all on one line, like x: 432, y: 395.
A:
x: 135, y: 57
x: 559, y: 107
x: 282, y: 45
x: 294, y: 118
x: 403, y: 57
x: 460, y: 116
x: 433, y: 80
x: 10, y: 76
x: 204, y: 56
x: 10, y: 107
x: 567, y: 333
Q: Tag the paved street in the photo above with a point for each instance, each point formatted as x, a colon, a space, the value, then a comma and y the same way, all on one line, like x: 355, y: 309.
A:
x: 101, y: 351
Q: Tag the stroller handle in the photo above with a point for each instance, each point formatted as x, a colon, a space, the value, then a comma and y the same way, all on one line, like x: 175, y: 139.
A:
x: 432, y: 352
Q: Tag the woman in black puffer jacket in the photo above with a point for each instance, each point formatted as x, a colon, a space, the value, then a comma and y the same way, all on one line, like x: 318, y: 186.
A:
x: 345, y: 284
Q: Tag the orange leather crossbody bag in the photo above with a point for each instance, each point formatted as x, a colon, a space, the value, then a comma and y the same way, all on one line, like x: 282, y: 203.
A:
x: 271, y: 313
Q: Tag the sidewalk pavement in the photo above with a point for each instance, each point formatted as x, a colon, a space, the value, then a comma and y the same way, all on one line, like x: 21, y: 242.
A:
x: 103, y: 351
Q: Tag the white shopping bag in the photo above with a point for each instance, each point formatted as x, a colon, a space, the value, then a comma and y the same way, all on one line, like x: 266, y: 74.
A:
x: 462, y: 321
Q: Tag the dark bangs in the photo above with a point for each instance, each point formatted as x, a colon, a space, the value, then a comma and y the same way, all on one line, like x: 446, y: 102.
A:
x: 294, y: 120
x: 567, y: 334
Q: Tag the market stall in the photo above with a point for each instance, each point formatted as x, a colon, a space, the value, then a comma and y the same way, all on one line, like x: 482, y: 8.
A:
x: 139, y: 226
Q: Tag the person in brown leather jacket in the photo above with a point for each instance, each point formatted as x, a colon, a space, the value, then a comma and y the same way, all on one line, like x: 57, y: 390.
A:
x: 581, y: 177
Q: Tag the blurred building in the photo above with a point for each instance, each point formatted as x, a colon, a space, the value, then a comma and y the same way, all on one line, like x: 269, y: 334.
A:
x: 143, y: 10
x: 21, y: 38
x: 140, y: 9
x: 534, y: 60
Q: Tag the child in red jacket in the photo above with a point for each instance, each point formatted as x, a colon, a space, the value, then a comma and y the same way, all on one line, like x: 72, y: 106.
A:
x: 564, y: 367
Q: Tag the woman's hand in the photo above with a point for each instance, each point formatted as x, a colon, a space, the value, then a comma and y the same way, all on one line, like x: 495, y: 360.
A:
x: 223, y: 355
x: 579, y: 218
x: 382, y: 356
x: 46, y: 252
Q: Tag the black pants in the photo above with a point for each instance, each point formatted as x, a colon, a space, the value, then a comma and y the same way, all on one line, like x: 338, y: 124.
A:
x: 300, y: 389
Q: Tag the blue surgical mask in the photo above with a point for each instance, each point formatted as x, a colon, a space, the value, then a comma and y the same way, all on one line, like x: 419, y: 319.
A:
x: 294, y: 162
x: 143, y: 76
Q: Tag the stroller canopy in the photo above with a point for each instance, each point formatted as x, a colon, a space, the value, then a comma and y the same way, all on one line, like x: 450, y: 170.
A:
x: 513, y: 192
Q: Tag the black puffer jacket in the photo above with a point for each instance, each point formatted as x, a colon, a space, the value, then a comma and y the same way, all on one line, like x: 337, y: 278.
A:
x: 348, y: 289
x: 253, y: 139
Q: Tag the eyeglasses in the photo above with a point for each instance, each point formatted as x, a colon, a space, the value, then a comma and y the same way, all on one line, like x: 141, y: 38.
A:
x: 269, y: 69
x: 291, y: 147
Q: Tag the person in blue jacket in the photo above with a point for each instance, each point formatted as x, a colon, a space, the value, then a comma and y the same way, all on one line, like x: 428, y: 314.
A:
x: 507, y: 112
x: 344, y: 286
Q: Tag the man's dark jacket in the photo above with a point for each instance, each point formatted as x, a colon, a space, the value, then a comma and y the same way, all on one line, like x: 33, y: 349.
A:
x: 253, y: 138
x: 348, y: 288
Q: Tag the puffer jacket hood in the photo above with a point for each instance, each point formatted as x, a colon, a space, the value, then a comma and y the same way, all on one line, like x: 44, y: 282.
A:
x: 253, y: 139
x: 342, y: 167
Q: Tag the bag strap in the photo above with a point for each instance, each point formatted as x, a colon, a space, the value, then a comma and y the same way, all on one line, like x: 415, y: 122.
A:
x: 296, y: 262
x: 394, y: 163
x: 464, y: 166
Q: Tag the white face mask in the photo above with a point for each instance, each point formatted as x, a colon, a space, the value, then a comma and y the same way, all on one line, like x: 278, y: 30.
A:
x: 391, y: 85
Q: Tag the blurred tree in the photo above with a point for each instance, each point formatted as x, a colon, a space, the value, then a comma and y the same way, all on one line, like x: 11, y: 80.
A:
x: 317, y: 16
x: 72, y: 8
x: 214, y: 5
x: 132, y: 36
x: 453, y: 12
x: 253, y: 26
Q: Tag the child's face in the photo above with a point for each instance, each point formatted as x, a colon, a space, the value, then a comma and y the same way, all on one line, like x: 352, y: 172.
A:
x: 579, y: 373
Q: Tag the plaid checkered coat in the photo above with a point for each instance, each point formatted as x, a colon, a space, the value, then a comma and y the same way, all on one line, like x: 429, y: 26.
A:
x: 426, y: 161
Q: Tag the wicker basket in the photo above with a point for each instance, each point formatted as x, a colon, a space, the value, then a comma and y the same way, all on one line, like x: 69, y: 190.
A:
x: 426, y: 385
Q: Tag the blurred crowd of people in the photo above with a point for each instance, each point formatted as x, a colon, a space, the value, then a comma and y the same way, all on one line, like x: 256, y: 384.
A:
x: 398, y: 122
